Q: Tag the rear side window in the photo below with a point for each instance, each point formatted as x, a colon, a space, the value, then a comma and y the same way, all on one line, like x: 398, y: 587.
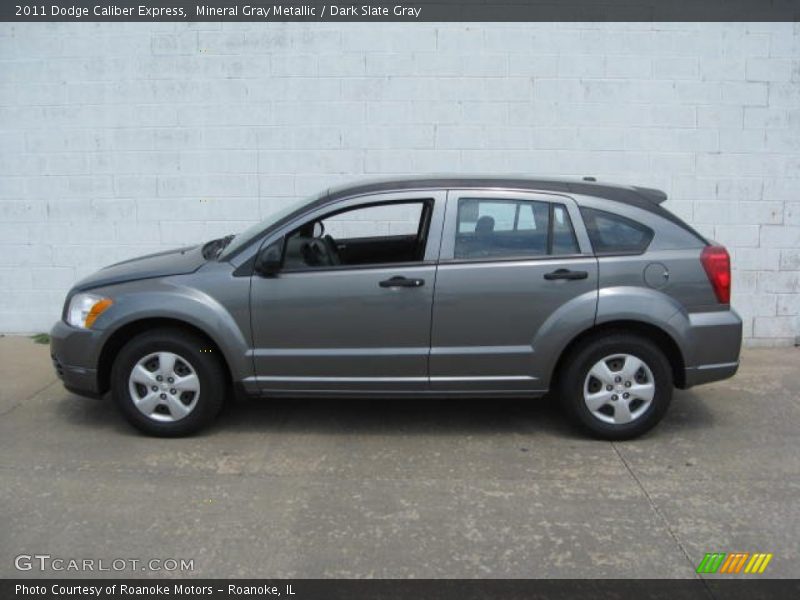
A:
x: 495, y: 228
x: 564, y: 240
x: 615, y: 234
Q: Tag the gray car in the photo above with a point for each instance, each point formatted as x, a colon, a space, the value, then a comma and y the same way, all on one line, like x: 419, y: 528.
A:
x: 445, y: 287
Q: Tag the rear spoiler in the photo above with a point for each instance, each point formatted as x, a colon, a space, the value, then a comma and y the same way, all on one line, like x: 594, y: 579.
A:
x: 657, y: 197
x: 653, y: 195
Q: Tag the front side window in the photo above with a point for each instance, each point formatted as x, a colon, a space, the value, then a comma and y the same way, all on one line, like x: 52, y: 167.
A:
x: 368, y: 234
x: 493, y: 227
x: 614, y: 234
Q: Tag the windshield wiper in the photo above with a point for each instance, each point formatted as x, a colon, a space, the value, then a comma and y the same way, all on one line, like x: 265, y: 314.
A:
x: 215, y: 247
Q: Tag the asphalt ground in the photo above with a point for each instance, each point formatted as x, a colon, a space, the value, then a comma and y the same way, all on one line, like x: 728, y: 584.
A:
x: 398, y: 488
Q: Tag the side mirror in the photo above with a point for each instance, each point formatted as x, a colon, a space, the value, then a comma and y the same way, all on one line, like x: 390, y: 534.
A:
x: 269, y: 260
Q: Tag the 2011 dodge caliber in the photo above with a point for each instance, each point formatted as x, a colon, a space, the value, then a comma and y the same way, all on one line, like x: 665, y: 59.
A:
x: 451, y: 287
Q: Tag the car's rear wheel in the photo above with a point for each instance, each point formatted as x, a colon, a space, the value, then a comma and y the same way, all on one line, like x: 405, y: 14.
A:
x: 168, y: 382
x: 616, y: 386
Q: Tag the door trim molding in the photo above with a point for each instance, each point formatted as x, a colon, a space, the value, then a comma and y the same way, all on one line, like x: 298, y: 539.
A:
x: 315, y: 379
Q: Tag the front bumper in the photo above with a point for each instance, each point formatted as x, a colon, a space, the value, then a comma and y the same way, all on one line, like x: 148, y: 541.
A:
x: 75, y: 353
x: 715, y: 340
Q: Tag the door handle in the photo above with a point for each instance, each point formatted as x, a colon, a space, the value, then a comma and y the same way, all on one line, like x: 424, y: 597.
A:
x: 566, y: 274
x: 400, y: 281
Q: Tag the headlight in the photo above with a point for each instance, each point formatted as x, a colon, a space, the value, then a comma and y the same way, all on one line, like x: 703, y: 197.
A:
x: 85, y: 308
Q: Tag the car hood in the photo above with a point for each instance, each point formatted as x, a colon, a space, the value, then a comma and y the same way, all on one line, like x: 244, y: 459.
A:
x: 172, y: 262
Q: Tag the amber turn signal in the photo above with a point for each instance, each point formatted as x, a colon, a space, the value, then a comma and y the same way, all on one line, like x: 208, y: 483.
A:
x: 98, y: 308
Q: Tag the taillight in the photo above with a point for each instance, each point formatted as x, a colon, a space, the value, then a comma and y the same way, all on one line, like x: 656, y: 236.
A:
x: 717, y: 264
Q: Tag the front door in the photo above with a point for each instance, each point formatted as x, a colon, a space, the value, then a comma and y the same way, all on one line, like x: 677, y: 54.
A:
x: 350, y: 311
x: 515, y: 270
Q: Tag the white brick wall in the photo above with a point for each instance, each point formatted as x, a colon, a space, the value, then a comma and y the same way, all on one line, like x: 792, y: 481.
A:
x: 120, y: 139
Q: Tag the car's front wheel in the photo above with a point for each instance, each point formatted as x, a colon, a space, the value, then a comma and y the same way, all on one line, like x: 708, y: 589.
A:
x: 617, y: 386
x: 168, y: 382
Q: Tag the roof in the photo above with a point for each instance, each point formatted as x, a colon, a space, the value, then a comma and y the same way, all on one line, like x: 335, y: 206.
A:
x: 638, y: 196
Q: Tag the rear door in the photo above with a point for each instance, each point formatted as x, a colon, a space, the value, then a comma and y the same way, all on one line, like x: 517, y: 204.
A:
x: 516, y: 272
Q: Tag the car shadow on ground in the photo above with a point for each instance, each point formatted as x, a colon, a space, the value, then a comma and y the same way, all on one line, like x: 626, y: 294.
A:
x: 391, y: 416
x: 387, y: 416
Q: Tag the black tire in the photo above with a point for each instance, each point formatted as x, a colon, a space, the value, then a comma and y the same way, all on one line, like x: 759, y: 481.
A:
x: 201, y: 358
x: 578, y: 364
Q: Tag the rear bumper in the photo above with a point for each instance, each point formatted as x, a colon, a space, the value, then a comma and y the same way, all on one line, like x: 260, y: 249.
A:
x: 74, y: 354
x: 712, y: 347
x: 709, y: 373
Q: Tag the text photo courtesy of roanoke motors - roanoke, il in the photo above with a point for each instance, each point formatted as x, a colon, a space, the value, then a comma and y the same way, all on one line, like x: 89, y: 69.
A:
x: 454, y: 299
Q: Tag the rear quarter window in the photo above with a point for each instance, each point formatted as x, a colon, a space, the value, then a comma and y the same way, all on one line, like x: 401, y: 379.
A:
x: 614, y: 234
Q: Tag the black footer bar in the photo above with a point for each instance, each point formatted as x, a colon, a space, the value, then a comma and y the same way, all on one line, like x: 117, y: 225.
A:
x: 393, y: 589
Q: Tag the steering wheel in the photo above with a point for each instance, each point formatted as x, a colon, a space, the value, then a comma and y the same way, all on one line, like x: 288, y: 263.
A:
x: 317, y: 253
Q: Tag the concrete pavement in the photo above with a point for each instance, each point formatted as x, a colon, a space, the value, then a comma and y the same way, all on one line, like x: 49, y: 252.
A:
x: 352, y: 488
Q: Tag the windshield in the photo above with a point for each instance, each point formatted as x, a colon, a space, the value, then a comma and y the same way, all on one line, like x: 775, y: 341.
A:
x: 241, y: 239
